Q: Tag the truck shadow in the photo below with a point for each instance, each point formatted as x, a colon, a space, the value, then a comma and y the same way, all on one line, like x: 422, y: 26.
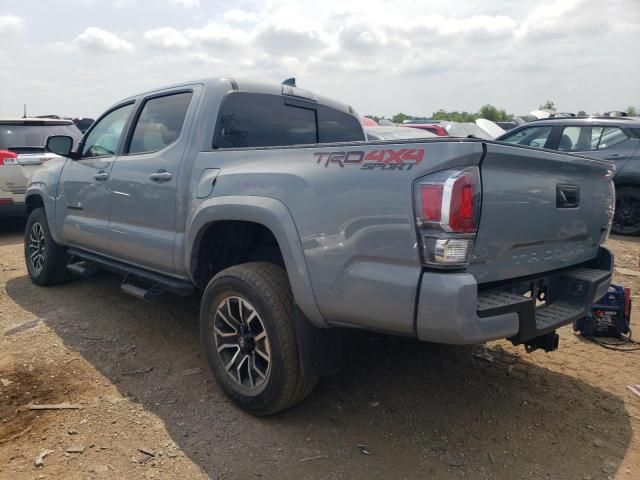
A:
x: 435, y: 410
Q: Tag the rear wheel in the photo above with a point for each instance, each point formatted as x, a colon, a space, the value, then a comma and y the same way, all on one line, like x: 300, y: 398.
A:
x: 626, y: 220
x: 46, y: 260
x: 248, y: 334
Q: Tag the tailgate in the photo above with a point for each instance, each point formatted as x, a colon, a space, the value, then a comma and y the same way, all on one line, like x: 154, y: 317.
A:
x: 541, y: 211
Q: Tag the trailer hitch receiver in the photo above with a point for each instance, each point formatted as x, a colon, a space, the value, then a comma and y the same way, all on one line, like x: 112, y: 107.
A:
x: 548, y: 343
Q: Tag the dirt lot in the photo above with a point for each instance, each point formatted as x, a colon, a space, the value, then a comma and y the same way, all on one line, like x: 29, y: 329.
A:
x: 423, y: 411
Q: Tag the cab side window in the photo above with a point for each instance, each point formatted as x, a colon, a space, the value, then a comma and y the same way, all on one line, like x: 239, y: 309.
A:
x: 160, y: 123
x: 531, y: 136
x: 103, y: 138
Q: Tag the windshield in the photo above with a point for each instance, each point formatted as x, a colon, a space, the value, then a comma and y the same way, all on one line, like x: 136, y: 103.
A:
x: 12, y: 136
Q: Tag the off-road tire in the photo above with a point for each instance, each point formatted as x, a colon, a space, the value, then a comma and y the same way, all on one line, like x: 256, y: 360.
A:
x: 53, y: 269
x: 265, y: 287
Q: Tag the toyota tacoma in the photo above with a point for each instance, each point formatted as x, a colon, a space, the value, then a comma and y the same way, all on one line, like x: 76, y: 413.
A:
x: 268, y: 202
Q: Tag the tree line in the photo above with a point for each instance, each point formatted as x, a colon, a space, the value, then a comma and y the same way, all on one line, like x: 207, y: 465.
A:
x: 487, y: 111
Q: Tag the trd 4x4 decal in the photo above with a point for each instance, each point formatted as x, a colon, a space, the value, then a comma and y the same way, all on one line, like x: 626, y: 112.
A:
x: 403, y: 159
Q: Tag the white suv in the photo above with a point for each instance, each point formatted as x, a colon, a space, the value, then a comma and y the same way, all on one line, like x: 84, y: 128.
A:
x: 21, y: 152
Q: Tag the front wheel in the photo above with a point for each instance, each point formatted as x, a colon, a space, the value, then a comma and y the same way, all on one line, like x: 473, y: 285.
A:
x: 46, y: 260
x: 626, y: 220
x: 248, y: 334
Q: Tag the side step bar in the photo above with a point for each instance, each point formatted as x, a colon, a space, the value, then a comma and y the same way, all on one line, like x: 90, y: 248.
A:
x: 158, y: 281
x: 83, y: 268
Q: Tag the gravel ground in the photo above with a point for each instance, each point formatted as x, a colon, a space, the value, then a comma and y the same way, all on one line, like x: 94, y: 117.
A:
x: 149, y: 408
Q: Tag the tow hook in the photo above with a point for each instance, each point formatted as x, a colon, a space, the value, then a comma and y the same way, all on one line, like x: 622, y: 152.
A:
x: 548, y: 343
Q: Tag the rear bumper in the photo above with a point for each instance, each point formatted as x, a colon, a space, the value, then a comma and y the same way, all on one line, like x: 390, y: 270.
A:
x: 452, y: 309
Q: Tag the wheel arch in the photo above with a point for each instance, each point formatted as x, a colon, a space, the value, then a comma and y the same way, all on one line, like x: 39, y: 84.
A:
x: 261, y: 216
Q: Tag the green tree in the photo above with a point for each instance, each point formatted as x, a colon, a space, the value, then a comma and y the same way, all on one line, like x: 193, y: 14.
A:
x: 582, y: 113
x: 632, y: 111
x: 548, y: 105
x: 400, y: 117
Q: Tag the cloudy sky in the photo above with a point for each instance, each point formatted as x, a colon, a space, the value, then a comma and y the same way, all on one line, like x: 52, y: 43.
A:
x: 76, y: 57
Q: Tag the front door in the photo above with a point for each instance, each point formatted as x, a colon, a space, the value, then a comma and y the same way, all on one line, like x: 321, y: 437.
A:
x: 143, y: 182
x: 82, y: 213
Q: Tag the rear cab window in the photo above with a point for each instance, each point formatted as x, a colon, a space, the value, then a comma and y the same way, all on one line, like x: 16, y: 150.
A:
x: 249, y: 120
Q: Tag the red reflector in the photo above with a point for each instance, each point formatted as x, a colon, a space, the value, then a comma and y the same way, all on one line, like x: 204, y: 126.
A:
x: 6, y: 201
x: 462, y: 215
x: 431, y: 196
x: 627, y: 302
x: 6, y: 154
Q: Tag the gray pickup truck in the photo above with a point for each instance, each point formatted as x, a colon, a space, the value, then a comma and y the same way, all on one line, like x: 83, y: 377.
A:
x: 268, y: 201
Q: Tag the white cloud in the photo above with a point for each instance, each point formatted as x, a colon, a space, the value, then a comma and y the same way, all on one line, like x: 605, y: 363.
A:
x: 166, y: 37
x: 9, y: 24
x: 443, y: 55
x: 240, y: 16
x: 99, y: 40
x: 218, y: 35
x: 283, y: 39
x: 183, y: 3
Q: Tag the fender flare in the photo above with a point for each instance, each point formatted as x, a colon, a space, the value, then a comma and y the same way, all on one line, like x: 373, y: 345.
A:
x: 37, y: 189
x: 275, y: 216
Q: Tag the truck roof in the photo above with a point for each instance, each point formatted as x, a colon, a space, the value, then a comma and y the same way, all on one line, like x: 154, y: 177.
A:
x: 249, y: 86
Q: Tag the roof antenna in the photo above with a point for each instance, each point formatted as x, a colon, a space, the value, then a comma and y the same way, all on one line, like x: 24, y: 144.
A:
x: 290, y: 82
x: 24, y: 111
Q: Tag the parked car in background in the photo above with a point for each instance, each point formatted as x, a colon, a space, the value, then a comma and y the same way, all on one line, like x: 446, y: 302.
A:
x: 368, y: 122
x: 510, y: 125
x: 435, y: 128
x: 395, y: 133
x: 608, y: 138
x: 21, y: 152
x: 83, y: 123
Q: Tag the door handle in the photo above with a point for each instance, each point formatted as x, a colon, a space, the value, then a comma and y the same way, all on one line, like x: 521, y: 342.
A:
x: 615, y: 156
x: 161, y: 176
x: 101, y: 176
x: 567, y: 196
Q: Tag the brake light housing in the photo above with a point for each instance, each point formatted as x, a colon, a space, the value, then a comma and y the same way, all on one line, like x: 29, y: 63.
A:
x: 447, y: 210
x: 8, y: 158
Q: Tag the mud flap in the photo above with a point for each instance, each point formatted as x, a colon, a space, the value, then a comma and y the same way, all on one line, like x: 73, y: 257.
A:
x: 321, y: 350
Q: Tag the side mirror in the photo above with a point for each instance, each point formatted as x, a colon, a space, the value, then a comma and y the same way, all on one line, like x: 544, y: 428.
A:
x: 59, y: 144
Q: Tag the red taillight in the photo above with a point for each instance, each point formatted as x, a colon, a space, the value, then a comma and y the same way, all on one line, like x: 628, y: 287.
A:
x: 462, y: 215
x: 8, y: 158
x: 431, y: 202
x: 447, y: 210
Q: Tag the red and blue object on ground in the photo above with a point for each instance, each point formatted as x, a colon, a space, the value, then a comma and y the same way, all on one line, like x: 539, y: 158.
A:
x: 609, y: 317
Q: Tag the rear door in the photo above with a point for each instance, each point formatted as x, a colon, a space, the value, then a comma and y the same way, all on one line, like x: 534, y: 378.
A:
x: 143, y: 184
x: 541, y: 211
x: 82, y: 212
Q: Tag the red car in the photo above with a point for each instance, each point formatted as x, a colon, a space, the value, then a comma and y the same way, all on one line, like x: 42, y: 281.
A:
x: 429, y: 127
x: 368, y: 122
